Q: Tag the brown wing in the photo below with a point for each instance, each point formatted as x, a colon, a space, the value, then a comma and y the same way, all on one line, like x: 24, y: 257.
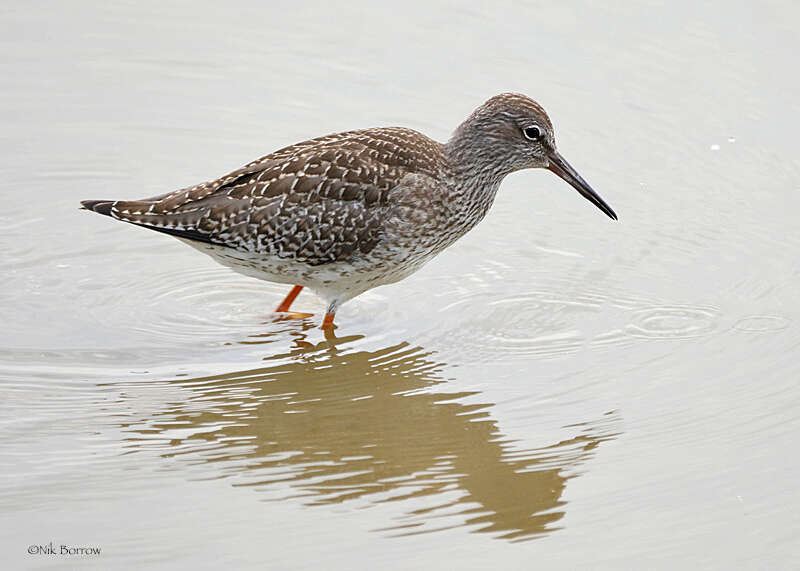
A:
x: 317, y: 202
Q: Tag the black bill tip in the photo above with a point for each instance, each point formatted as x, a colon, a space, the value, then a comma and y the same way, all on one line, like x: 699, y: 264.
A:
x: 565, y: 171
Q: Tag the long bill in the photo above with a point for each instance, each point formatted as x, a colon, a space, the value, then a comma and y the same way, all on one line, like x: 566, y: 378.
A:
x: 564, y: 170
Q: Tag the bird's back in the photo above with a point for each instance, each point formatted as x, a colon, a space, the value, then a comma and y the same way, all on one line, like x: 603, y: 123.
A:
x: 319, y: 201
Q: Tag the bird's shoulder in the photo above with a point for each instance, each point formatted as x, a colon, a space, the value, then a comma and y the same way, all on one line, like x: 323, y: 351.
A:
x: 362, y: 165
x: 318, y: 201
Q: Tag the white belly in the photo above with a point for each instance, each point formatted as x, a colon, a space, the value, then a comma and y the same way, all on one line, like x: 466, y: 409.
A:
x: 336, y: 281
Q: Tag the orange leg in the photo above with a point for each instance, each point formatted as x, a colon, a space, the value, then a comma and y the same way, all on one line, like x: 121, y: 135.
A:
x: 327, y: 322
x: 286, y: 303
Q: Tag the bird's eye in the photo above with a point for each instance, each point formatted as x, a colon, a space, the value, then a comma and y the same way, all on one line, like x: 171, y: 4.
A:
x: 533, y: 133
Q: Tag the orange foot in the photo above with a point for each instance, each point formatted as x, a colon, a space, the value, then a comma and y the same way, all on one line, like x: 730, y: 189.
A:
x: 292, y: 315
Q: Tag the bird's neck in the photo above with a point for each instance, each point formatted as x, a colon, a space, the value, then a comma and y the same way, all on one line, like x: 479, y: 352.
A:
x: 476, y: 173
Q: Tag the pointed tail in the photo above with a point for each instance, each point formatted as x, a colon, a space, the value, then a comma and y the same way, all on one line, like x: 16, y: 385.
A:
x: 99, y: 206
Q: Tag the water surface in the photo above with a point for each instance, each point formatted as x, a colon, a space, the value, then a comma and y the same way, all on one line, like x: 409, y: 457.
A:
x: 556, y: 388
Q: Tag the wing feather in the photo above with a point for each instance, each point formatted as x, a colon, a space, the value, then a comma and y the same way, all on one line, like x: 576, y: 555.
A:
x: 319, y: 201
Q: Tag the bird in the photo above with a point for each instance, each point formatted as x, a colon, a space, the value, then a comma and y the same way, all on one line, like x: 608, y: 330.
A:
x: 346, y: 212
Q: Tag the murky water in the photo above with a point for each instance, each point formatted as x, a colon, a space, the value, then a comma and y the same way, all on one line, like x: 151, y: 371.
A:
x: 556, y: 390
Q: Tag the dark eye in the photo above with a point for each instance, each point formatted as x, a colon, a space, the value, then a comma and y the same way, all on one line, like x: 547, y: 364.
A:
x: 533, y: 133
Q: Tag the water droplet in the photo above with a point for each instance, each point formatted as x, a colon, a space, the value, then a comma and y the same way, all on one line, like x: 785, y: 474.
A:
x: 715, y: 147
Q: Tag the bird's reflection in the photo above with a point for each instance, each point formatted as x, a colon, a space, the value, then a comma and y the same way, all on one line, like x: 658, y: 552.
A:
x: 333, y: 425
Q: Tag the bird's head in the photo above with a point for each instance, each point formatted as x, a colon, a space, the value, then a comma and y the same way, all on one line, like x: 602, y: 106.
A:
x: 511, y: 132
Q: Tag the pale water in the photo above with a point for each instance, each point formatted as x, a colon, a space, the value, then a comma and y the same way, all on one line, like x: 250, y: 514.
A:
x: 557, y: 390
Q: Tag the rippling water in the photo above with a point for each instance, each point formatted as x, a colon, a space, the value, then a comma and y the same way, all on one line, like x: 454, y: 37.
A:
x: 554, y: 388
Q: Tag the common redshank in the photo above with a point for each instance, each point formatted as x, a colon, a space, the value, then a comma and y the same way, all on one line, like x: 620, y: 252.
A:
x: 347, y: 212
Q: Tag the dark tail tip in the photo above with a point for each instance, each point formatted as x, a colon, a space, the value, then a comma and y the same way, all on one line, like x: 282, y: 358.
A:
x: 99, y: 206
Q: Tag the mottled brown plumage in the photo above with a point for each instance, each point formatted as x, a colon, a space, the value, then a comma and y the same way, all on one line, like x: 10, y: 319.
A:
x: 350, y: 211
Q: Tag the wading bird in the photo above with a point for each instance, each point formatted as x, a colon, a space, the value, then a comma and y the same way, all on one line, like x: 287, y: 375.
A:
x: 347, y: 212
